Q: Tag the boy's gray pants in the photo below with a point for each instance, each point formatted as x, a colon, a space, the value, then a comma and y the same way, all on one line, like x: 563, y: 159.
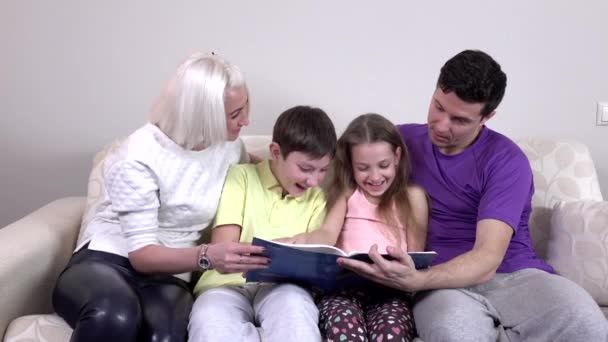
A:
x: 282, y: 312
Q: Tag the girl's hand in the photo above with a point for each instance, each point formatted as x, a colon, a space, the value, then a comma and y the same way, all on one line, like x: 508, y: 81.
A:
x: 235, y: 257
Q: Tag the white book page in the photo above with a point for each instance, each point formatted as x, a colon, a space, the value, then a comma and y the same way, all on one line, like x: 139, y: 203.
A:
x: 410, y: 253
x: 327, y: 249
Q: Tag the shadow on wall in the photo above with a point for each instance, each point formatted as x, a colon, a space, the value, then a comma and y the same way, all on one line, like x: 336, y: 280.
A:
x: 32, y: 181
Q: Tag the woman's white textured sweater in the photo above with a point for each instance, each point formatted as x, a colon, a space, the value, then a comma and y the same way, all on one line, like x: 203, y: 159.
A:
x: 158, y: 193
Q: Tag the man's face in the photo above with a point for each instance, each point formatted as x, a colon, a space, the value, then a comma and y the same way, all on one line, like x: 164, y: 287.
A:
x: 298, y: 171
x: 453, y: 123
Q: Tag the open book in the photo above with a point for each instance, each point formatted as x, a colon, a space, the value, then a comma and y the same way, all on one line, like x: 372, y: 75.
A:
x: 315, y: 265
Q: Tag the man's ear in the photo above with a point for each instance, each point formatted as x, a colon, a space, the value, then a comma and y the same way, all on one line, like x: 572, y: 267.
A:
x: 487, y: 117
x: 275, y: 151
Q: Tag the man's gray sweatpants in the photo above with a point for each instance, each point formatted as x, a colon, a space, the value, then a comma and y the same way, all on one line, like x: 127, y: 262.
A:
x: 527, y: 305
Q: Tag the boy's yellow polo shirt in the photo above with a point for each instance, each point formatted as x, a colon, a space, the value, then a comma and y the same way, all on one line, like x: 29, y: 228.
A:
x: 253, y: 199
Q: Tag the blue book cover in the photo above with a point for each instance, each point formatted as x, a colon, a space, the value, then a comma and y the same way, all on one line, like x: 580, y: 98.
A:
x: 315, y: 265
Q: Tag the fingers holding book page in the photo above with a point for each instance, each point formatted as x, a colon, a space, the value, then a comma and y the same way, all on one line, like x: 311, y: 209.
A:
x: 396, y: 270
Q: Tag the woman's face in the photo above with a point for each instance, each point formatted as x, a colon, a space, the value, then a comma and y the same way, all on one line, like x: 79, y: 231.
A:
x: 236, y: 103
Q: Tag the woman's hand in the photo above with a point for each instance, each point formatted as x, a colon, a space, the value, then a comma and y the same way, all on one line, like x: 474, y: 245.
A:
x: 235, y: 257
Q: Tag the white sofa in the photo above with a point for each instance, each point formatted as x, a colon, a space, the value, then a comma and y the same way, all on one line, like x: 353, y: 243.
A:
x: 569, y: 225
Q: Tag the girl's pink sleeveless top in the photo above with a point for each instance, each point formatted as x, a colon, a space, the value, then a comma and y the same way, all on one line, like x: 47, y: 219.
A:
x: 363, y: 227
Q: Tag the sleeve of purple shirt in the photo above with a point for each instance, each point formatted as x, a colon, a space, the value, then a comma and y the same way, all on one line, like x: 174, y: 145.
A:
x: 507, y: 186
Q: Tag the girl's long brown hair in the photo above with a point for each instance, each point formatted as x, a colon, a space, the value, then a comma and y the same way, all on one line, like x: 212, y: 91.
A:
x: 370, y: 128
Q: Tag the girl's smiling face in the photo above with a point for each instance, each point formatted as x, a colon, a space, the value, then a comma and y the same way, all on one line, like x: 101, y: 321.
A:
x: 374, y: 167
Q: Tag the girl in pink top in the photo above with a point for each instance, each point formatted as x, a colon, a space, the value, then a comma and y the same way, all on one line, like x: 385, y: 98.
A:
x: 372, y: 205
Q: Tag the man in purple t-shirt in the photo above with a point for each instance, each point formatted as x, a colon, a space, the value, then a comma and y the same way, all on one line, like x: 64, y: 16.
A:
x: 487, y: 283
x: 489, y: 180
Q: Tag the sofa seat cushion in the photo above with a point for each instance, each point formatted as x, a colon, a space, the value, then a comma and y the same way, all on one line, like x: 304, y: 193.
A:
x: 42, y: 328
x: 46, y: 328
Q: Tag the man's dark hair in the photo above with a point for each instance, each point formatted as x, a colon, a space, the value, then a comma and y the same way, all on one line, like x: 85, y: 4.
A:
x: 475, y: 77
x: 305, y: 129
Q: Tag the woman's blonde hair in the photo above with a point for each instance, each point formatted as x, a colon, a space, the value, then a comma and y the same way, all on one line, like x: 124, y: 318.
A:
x: 190, y: 109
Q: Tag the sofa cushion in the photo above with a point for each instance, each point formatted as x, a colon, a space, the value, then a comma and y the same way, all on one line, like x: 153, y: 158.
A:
x: 257, y: 145
x: 43, y: 328
x: 563, y: 171
x: 578, y: 245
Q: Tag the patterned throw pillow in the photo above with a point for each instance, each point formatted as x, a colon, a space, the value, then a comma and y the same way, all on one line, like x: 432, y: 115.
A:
x: 578, y: 245
x: 563, y: 171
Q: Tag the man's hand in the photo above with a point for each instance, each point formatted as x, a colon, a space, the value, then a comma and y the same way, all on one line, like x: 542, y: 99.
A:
x: 471, y: 268
x: 399, y: 273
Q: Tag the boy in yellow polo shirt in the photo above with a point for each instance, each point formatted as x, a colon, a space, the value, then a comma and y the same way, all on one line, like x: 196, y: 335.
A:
x: 275, y: 198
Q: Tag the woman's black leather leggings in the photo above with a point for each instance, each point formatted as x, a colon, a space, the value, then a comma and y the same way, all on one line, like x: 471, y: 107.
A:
x: 103, y: 298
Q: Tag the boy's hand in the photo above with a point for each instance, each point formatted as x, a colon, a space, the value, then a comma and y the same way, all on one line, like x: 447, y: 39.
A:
x: 234, y: 257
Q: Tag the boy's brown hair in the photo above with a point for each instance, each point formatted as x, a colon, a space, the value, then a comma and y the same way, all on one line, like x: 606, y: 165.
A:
x: 305, y: 129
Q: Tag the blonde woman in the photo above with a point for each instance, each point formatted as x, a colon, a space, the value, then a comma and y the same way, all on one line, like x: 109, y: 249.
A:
x: 128, y: 278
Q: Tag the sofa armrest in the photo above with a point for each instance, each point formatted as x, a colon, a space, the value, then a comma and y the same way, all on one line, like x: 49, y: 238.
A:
x: 33, y: 251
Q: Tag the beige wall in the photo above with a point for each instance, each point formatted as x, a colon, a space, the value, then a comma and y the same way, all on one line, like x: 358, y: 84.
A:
x: 76, y: 74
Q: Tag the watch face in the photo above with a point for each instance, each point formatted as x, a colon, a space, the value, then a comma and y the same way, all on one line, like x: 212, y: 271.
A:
x: 204, y: 263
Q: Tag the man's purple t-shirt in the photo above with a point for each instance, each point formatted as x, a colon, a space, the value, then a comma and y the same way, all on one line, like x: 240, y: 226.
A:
x: 491, y: 179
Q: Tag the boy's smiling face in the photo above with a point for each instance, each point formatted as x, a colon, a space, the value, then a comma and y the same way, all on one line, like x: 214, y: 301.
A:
x: 298, y: 171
